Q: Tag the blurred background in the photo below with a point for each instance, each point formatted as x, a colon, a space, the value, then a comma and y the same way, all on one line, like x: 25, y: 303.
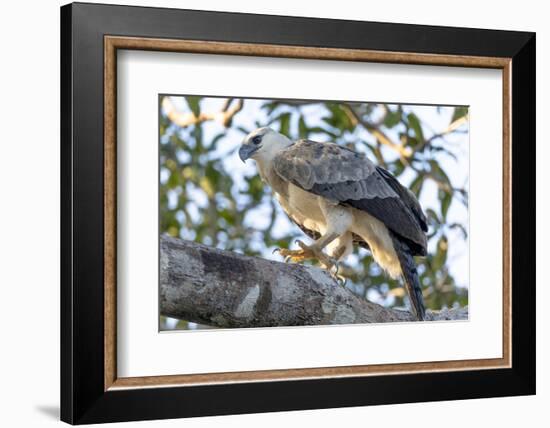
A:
x: 209, y: 196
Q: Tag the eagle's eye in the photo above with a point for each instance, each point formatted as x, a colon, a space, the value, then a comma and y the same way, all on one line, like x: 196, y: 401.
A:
x: 257, y: 139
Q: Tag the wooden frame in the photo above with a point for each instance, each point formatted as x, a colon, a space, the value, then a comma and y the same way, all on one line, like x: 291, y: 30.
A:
x: 86, y: 378
x: 113, y: 43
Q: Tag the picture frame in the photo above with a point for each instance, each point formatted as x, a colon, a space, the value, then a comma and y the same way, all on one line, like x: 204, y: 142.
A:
x: 91, y: 390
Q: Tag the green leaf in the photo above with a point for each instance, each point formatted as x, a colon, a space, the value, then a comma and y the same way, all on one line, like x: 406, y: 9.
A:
x: 213, y: 175
x: 173, y: 180
x: 397, y: 167
x: 302, y: 127
x: 439, y: 175
x: 459, y: 113
x: 446, y: 203
x: 194, y: 104
x: 339, y: 119
x: 414, y: 123
x: 440, y: 255
x: 392, y: 119
x: 416, y: 185
x: 255, y: 187
x: 284, y: 124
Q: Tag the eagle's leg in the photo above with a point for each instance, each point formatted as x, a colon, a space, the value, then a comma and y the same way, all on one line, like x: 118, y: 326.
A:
x: 338, y: 220
x: 310, y: 252
x: 339, y: 249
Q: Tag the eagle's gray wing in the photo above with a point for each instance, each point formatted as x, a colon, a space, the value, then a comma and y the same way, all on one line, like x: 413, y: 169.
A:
x: 349, y: 178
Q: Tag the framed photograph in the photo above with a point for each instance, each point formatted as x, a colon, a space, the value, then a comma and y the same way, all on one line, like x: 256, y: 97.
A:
x: 265, y: 213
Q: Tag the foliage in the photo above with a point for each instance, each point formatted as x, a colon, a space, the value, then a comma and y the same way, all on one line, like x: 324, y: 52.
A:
x: 206, y: 195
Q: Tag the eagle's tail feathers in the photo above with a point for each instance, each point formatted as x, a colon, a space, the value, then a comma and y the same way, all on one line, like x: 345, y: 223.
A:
x: 410, y: 278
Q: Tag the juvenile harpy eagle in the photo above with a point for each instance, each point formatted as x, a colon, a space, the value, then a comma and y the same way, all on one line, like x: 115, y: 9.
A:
x: 338, y: 197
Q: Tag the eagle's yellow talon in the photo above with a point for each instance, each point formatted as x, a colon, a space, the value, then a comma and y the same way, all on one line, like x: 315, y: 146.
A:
x: 311, y: 252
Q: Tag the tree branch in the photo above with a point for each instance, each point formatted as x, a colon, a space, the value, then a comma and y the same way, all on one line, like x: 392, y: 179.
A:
x: 225, y: 289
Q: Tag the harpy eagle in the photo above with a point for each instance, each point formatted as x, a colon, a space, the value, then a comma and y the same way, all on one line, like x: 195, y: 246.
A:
x: 340, y: 198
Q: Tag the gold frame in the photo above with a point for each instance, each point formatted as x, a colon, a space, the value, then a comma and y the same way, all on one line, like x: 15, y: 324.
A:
x: 113, y: 43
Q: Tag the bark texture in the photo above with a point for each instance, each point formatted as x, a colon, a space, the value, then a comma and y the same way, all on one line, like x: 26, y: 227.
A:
x: 225, y: 289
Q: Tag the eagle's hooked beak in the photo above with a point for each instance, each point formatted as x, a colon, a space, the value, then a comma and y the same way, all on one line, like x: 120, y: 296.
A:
x: 246, y: 151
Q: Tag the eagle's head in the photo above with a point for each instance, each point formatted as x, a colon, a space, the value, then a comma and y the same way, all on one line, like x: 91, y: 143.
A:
x: 263, y: 144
